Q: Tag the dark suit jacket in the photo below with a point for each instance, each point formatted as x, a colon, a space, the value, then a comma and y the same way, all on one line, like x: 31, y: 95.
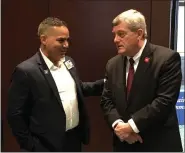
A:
x: 35, y: 111
x: 152, y: 99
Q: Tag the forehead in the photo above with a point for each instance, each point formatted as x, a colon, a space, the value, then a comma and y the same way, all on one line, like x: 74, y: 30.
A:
x: 61, y: 31
x: 120, y: 27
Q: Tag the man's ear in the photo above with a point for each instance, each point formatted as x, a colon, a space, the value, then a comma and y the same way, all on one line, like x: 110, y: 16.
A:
x: 140, y: 33
x: 43, y: 39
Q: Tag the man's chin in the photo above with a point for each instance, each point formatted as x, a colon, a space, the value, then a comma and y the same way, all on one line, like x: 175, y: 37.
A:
x: 121, y: 51
x: 62, y: 55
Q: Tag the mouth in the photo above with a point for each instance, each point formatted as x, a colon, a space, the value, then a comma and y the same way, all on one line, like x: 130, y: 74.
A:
x: 63, y: 50
x: 120, y: 46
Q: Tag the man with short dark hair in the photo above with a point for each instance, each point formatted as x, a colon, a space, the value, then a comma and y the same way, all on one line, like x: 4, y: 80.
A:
x: 46, y: 97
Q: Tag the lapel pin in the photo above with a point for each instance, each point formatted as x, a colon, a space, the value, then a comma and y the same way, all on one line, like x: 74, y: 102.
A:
x: 45, y: 71
x: 147, y: 59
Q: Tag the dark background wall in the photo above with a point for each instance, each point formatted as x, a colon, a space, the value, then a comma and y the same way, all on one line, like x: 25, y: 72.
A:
x: 89, y: 23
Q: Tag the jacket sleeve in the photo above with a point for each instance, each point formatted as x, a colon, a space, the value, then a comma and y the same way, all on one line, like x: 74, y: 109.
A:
x: 92, y: 88
x: 17, y: 114
x: 107, y: 104
x: 166, y: 95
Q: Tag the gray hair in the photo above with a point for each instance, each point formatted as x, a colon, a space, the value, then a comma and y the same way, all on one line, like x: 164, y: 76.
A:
x: 134, y: 19
x: 49, y: 22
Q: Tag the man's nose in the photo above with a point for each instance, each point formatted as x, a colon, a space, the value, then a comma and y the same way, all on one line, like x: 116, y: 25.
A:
x: 66, y: 44
x: 116, y: 39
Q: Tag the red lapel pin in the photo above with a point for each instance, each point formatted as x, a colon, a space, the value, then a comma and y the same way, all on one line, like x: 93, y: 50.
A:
x: 147, y: 59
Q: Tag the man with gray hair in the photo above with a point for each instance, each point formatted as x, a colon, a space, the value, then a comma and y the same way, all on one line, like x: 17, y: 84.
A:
x: 141, y: 90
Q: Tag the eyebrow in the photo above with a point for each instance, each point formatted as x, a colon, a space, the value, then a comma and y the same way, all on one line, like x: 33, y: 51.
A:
x: 61, y: 38
x: 121, y: 31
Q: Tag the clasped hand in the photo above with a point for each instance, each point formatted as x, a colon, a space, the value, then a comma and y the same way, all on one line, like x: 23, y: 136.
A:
x: 125, y: 133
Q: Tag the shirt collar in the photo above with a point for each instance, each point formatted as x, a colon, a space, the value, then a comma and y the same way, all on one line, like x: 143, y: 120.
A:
x: 138, y: 55
x: 48, y: 62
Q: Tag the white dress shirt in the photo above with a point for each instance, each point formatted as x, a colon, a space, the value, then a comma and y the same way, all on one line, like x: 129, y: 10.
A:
x: 67, y: 91
x: 136, y: 59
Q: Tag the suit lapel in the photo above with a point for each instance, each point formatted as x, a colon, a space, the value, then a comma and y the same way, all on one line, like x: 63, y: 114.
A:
x: 124, y: 59
x: 124, y: 75
x: 119, y: 76
x: 70, y: 67
x: 141, y: 72
x: 48, y: 76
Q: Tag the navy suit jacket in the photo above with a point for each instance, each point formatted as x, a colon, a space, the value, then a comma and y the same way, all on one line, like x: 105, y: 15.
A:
x: 35, y: 111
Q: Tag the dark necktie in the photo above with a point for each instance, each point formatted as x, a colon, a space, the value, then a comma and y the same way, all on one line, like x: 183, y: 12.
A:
x: 130, y: 76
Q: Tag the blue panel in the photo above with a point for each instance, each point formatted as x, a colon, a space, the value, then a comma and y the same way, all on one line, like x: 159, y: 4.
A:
x: 180, y: 108
x: 182, y: 67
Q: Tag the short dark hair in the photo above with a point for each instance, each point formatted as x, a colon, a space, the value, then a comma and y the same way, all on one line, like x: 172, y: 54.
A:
x: 50, y: 22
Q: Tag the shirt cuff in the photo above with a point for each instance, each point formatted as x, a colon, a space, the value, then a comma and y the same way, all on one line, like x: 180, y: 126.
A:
x: 115, y: 122
x: 133, y: 125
